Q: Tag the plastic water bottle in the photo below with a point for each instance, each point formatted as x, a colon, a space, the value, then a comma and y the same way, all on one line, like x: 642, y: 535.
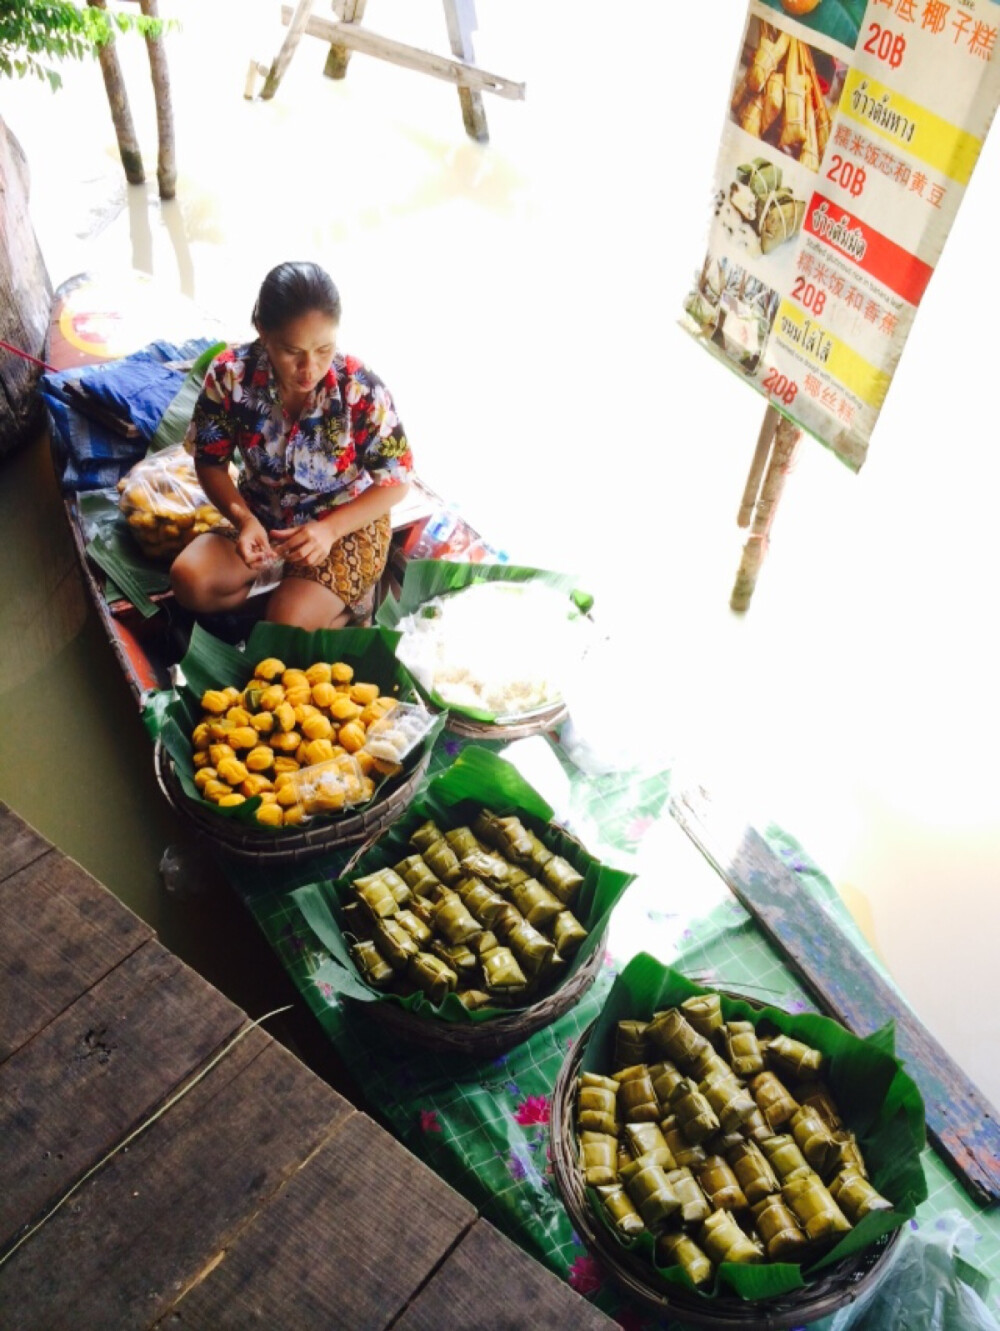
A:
x: 434, y: 537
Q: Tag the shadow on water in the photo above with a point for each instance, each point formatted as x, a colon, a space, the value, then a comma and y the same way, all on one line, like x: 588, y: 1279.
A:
x: 76, y: 763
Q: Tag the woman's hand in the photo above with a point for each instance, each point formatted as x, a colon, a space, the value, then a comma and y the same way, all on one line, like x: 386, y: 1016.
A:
x: 309, y: 544
x: 253, y: 546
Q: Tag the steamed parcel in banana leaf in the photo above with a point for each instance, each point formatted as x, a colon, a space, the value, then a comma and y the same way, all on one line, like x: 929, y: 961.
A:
x: 774, y: 1166
x: 487, y: 942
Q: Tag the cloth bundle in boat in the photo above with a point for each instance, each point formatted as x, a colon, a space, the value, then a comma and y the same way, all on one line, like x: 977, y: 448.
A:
x: 137, y: 389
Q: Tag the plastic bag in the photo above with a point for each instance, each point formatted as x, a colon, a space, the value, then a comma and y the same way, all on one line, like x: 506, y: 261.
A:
x: 331, y: 786
x: 164, y: 505
x: 928, y: 1287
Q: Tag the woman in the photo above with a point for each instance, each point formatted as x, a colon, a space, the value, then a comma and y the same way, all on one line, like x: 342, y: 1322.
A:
x: 324, y: 460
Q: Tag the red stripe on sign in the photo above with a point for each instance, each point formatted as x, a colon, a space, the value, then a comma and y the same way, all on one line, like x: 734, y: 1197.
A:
x: 868, y: 249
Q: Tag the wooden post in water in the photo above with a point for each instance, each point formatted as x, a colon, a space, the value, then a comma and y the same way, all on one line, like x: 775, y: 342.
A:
x: 347, y: 11
x: 25, y: 300
x: 461, y: 19
x: 121, y: 114
x: 166, y: 166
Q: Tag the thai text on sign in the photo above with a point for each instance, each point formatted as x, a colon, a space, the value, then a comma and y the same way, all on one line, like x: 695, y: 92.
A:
x: 853, y: 129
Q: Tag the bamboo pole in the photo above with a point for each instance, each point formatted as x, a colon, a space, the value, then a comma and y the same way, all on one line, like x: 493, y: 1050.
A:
x: 166, y: 165
x: 121, y: 114
x: 752, y: 488
x: 786, y: 443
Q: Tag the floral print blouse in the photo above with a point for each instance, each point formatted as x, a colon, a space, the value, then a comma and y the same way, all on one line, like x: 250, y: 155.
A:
x: 347, y: 438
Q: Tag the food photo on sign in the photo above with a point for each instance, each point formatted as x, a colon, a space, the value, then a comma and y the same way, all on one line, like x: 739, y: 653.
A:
x: 850, y: 135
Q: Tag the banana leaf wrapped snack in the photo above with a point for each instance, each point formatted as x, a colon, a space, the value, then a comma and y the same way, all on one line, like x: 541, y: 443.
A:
x: 460, y: 887
x: 751, y: 1166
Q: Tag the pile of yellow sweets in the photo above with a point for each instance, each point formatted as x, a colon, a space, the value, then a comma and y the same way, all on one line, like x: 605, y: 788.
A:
x: 257, y: 740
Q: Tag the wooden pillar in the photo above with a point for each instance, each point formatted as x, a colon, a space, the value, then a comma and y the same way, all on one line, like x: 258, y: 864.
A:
x: 25, y: 300
x: 282, y: 60
x: 166, y: 166
x: 461, y: 19
x: 128, y: 144
x: 348, y: 11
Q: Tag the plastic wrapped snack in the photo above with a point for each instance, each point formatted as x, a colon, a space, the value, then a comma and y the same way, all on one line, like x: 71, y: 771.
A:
x: 164, y: 505
x: 328, y: 787
x: 398, y: 733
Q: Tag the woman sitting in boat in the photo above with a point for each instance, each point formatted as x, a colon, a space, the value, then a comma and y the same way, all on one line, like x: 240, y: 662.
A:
x: 324, y: 460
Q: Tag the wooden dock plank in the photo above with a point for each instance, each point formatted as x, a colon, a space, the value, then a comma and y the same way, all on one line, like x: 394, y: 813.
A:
x: 961, y: 1122
x: 161, y: 1213
x: 98, y: 1070
x: 489, y: 1282
x: 60, y: 932
x: 20, y: 844
x: 353, y: 1235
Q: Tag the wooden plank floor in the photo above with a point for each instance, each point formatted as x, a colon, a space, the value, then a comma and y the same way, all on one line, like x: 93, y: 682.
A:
x: 165, y: 1164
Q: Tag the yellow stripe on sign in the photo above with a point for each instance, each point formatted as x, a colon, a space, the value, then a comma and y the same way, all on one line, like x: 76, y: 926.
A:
x: 910, y: 126
x: 830, y: 355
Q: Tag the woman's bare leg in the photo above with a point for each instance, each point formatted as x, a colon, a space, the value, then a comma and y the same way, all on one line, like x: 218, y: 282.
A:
x: 208, y: 576
x: 306, y: 604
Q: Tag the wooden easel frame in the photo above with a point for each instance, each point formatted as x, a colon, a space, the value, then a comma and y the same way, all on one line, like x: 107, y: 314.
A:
x: 345, y: 34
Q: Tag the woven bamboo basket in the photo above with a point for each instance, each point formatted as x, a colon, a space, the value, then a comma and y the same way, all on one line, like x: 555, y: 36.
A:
x: 296, y: 844
x: 536, y: 724
x: 837, y: 1285
x: 479, y: 1039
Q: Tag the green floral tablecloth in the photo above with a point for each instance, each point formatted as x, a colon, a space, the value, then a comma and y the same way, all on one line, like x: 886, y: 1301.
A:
x: 483, y: 1126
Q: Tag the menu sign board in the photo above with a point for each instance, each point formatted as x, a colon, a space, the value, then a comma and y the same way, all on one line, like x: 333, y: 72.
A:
x: 853, y: 129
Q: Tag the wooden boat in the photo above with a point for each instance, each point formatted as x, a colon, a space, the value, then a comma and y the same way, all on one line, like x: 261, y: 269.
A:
x: 95, y: 319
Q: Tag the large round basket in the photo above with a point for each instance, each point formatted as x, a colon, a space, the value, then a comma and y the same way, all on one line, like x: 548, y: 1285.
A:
x: 535, y: 724
x: 479, y: 1039
x: 295, y: 844
x: 838, y: 1285
x: 485, y: 1039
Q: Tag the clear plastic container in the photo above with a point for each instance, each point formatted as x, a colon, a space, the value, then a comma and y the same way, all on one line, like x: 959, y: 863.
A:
x: 398, y: 733
x: 339, y: 783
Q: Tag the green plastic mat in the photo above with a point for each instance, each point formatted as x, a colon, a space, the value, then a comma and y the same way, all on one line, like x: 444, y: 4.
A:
x: 483, y: 1125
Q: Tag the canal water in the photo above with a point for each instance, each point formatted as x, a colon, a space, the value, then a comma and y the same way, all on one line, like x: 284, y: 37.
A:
x: 521, y: 301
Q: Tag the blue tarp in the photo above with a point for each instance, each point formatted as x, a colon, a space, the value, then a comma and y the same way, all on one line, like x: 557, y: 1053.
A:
x: 138, y: 387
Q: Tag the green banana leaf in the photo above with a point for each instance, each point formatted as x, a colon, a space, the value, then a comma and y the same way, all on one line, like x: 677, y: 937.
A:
x: 477, y: 779
x: 175, y: 420
x: 210, y: 664
x: 113, y: 549
x: 839, y: 19
x: 425, y: 579
x: 876, y: 1099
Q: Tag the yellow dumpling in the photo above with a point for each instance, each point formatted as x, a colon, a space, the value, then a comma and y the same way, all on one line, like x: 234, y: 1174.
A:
x: 319, y: 673
x: 323, y: 694
x: 260, y: 758
x: 270, y: 815
x: 351, y: 736
x: 270, y: 668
